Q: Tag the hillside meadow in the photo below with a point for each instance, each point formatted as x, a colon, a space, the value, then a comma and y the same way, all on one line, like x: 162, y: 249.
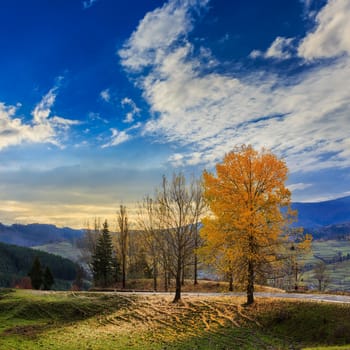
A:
x: 85, y: 320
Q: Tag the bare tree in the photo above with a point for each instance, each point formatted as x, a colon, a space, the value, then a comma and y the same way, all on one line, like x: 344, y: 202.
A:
x: 321, y: 275
x: 148, y: 223
x: 87, y: 243
x: 123, y: 240
x: 178, y: 217
x: 199, y: 208
x: 170, y: 224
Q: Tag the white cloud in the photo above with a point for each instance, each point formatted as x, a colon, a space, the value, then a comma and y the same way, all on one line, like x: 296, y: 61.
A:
x: 281, y: 48
x: 308, y: 11
x: 105, y: 95
x: 328, y: 39
x: 117, y: 138
x: 157, y: 31
x: 176, y: 159
x: 256, y: 53
x: 88, y: 3
x: 298, y: 186
x: 42, y: 128
x: 331, y: 35
x: 134, y: 110
x: 97, y: 117
x: 209, y: 113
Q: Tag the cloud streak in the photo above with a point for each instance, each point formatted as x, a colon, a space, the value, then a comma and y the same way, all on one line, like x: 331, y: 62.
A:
x: 117, y: 138
x: 209, y: 112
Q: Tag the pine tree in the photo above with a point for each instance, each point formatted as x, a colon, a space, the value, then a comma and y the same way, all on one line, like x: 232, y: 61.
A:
x: 48, y: 279
x: 102, y: 260
x: 36, y: 274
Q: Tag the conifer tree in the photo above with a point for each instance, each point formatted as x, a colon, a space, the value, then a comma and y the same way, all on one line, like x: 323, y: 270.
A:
x: 102, y: 260
x: 48, y: 279
x: 36, y: 274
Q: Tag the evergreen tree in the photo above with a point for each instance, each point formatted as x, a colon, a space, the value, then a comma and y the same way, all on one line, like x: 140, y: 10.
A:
x: 48, y: 279
x: 102, y: 261
x: 36, y: 274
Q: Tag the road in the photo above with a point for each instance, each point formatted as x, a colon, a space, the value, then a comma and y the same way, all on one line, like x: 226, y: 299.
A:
x: 330, y: 298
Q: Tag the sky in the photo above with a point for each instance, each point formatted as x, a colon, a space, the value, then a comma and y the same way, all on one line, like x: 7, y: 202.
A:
x: 100, y: 98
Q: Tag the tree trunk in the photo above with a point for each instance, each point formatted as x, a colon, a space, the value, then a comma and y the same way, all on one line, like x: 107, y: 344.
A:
x: 230, y: 288
x: 166, y: 280
x: 183, y: 274
x: 250, y: 285
x: 123, y: 272
x: 178, y: 281
x: 195, y: 272
x: 195, y: 282
x: 155, y: 275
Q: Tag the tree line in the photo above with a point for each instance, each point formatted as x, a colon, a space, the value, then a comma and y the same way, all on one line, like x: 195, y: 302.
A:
x: 236, y: 220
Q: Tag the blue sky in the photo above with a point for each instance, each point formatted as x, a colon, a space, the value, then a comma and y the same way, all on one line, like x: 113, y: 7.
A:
x: 100, y: 98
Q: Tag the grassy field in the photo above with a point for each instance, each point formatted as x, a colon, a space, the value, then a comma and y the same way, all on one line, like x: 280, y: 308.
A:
x: 339, y: 277
x: 338, y: 272
x: 90, y: 321
x: 329, y: 249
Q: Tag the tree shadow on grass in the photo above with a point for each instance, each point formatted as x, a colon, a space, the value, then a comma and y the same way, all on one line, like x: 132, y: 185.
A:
x: 30, y: 316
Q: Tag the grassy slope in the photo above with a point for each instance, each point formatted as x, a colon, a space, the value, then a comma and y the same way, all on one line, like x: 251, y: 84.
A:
x: 34, y: 320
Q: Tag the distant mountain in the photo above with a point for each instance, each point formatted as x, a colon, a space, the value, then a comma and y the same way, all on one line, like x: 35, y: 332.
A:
x: 332, y: 212
x: 36, y: 234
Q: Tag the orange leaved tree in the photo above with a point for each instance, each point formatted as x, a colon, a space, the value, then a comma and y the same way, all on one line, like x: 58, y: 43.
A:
x: 249, y: 206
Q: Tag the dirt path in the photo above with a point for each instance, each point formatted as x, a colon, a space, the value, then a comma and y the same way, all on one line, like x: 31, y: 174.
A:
x: 300, y: 296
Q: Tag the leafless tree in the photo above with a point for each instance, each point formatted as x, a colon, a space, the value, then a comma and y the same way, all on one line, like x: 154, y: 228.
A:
x: 170, y: 224
x: 148, y: 223
x: 321, y: 275
x: 178, y: 215
x: 199, y: 209
x: 87, y: 243
x: 123, y: 240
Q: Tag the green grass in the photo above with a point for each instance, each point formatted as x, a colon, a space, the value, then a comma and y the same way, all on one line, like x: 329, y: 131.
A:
x: 345, y: 347
x: 91, y: 321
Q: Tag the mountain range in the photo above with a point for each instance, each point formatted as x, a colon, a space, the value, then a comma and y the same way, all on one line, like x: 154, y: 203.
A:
x: 322, y: 219
x: 36, y: 234
x: 316, y: 215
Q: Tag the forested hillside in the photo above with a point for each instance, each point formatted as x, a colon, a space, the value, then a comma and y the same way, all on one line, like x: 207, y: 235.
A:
x: 331, y: 232
x: 15, y: 262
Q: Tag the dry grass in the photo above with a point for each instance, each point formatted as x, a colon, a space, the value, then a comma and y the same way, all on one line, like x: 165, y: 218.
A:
x: 203, y: 286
